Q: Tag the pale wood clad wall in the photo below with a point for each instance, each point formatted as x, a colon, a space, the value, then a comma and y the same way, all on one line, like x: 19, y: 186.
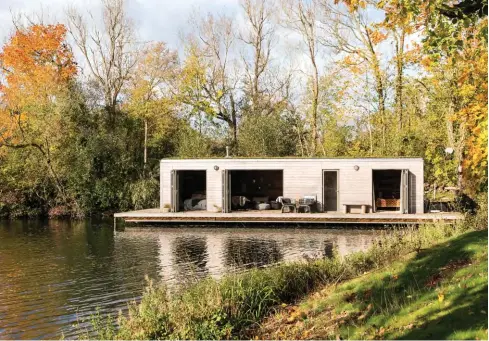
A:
x: 301, y: 177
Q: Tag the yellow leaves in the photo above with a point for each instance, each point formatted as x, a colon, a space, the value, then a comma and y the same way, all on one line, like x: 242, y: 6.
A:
x: 295, y: 314
x: 426, y: 61
x: 290, y: 319
x: 155, y: 68
x: 441, y: 296
x: 376, y: 36
x: 353, y: 64
x: 462, y: 77
x: 353, y: 5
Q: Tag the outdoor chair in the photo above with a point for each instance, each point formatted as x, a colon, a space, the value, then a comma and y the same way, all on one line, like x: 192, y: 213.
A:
x: 287, y: 206
x: 306, y: 204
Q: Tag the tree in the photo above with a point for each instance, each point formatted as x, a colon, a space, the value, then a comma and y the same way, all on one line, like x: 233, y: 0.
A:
x: 463, y: 73
x: 149, y: 88
x: 401, y: 23
x: 258, y: 37
x: 208, y: 84
x: 350, y: 32
x: 302, y: 16
x: 455, y: 55
x: 109, y: 52
x: 38, y: 66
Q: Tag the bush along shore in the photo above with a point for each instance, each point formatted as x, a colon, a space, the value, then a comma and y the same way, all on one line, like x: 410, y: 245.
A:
x: 242, y: 305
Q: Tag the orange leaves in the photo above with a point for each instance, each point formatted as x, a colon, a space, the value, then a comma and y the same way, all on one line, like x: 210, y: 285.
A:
x: 353, y: 5
x: 376, y: 36
x: 354, y: 64
x: 37, y: 62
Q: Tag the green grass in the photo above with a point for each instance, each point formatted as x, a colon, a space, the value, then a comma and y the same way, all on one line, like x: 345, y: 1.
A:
x: 438, y: 293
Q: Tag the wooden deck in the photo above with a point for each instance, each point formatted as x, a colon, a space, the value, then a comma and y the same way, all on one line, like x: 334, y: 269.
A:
x: 272, y: 216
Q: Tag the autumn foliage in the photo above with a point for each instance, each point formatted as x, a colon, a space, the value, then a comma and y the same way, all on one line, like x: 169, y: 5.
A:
x: 37, y: 62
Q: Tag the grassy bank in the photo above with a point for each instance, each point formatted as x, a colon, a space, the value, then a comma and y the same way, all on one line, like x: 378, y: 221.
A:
x: 438, y: 293
x: 237, y: 304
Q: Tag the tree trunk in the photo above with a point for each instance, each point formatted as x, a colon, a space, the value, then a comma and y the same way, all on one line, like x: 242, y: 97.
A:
x: 379, y: 87
x: 314, y: 125
x: 52, y: 172
x: 379, y: 84
x: 315, y: 103
x: 145, y: 143
x: 399, y: 77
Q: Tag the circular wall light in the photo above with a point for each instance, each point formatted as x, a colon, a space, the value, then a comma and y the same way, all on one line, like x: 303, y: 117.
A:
x: 356, y: 167
x: 216, y: 168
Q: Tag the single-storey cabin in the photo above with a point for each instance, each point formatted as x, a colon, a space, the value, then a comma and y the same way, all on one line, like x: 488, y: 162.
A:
x: 337, y: 185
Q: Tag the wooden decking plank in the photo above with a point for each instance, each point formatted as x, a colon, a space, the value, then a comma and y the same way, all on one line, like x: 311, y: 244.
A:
x: 158, y: 216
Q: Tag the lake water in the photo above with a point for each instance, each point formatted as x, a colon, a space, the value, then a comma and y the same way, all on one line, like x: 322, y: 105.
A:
x: 55, y: 273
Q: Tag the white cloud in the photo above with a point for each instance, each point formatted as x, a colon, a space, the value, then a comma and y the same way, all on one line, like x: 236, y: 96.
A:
x: 160, y: 20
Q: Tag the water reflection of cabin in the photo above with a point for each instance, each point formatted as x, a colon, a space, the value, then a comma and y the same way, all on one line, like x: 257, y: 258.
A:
x: 235, y: 184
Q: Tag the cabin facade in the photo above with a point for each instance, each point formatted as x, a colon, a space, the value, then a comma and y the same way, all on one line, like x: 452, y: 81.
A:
x: 339, y: 185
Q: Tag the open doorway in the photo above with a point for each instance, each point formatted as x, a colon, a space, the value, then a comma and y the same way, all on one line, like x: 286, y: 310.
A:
x: 390, y: 190
x: 255, y: 189
x: 189, y: 190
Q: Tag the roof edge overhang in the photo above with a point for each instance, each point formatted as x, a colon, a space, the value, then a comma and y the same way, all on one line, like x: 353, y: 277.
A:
x: 223, y: 159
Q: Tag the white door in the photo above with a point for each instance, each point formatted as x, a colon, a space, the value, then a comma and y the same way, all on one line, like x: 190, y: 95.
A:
x: 405, y: 191
x: 226, y: 191
x: 175, y: 196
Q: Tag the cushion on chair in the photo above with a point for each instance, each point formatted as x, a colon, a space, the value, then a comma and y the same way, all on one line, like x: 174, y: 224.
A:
x: 263, y: 206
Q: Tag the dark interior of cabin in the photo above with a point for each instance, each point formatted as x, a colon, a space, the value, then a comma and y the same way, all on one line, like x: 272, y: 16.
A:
x: 249, y: 188
x: 387, y: 190
x: 192, y: 187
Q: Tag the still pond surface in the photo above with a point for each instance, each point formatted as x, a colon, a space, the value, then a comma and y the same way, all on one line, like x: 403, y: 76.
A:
x: 55, y: 273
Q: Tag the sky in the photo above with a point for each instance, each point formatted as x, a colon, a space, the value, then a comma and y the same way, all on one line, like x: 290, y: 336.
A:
x: 158, y: 20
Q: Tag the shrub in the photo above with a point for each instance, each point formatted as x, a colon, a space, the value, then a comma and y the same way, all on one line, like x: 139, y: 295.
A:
x: 145, y: 193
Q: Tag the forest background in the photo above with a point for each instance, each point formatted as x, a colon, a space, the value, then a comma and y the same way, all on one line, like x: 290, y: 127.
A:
x: 87, y: 109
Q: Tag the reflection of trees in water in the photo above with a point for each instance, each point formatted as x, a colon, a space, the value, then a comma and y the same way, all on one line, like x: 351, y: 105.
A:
x: 248, y: 253
x: 75, y: 267
x: 309, y: 244
x: 328, y: 248
x: 190, y: 254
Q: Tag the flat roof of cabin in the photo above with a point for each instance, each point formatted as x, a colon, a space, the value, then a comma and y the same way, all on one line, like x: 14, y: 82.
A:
x: 295, y: 158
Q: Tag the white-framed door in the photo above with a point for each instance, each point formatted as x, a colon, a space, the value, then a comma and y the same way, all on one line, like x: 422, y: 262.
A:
x: 226, y: 191
x: 405, y: 191
x: 175, y: 191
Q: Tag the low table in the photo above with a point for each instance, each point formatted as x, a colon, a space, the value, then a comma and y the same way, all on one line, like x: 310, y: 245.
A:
x: 364, y: 207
